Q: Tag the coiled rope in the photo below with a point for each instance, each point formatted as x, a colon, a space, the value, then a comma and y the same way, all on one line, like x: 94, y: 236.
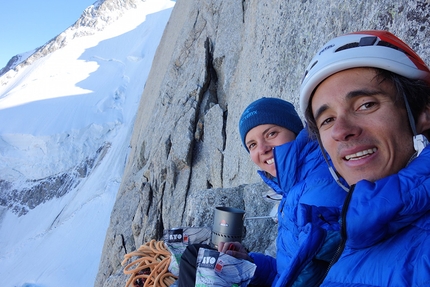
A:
x: 151, y: 266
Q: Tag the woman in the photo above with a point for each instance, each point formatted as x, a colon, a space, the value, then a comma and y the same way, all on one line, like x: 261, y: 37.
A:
x: 308, y: 214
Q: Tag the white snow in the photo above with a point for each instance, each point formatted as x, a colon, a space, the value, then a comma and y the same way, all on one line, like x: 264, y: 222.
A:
x: 56, y: 113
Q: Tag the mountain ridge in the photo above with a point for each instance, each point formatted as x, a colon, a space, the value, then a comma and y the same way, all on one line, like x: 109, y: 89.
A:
x: 94, y: 18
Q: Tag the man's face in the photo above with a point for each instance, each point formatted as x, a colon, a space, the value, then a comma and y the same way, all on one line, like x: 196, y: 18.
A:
x: 260, y: 142
x: 365, y: 133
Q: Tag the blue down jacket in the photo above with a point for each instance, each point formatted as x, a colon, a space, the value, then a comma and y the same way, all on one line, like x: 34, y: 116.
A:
x: 308, y: 217
x: 387, y: 230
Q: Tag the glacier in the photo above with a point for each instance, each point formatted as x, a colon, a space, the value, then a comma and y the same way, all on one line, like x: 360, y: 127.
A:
x: 67, y: 118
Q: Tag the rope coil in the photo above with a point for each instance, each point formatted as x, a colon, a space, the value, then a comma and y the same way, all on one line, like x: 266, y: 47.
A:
x: 151, y: 266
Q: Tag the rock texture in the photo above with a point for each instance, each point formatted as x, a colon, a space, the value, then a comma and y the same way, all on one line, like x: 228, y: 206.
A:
x: 214, y: 59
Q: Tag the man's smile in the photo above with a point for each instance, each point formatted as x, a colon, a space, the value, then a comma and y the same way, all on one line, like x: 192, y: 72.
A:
x: 360, y: 154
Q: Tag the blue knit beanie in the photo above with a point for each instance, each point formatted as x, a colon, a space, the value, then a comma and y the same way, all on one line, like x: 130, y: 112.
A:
x: 269, y: 111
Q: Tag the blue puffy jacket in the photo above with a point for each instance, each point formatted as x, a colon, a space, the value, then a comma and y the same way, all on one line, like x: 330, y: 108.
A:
x: 308, y: 217
x: 387, y: 231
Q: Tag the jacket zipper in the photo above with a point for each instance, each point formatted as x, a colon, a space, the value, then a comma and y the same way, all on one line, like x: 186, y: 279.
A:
x: 343, y: 234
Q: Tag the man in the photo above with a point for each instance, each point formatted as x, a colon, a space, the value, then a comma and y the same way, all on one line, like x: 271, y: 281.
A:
x: 366, y: 97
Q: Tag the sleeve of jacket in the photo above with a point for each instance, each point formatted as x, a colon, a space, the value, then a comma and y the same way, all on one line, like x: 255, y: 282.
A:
x: 266, y: 269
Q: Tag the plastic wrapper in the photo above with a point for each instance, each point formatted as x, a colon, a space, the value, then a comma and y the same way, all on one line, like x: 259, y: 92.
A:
x: 177, y: 240
x: 222, y: 270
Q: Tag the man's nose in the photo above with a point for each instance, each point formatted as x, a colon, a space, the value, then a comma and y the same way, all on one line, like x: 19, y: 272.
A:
x: 344, y: 128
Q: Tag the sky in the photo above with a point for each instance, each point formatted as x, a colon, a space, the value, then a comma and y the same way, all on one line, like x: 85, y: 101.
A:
x: 28, y: 24
x: 60, y: 110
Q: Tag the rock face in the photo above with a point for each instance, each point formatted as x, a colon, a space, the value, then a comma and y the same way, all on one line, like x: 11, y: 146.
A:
x: 214, y: 59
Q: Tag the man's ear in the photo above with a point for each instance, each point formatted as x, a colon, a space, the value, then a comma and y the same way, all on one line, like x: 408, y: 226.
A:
x: 423, y: 122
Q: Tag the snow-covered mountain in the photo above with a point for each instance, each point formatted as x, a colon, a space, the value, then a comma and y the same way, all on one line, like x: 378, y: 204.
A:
x: 67, y: 113
x: 15, y: 61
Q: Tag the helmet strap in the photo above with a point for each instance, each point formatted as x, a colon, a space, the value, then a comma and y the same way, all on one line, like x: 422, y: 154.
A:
x: 334, y: 174
x: 420, y: 141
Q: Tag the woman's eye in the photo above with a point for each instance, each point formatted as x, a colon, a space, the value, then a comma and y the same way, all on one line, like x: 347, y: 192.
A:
x: 251, y: 146
x: 272, y: 134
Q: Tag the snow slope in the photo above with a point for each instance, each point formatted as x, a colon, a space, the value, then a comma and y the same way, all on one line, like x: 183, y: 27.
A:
x: 75, y: 104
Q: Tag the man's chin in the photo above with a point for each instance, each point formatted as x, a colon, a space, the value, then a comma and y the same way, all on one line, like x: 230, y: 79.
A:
x: 354, y: 179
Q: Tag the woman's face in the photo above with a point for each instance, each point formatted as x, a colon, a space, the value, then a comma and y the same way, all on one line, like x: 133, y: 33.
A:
x: 261, y: 140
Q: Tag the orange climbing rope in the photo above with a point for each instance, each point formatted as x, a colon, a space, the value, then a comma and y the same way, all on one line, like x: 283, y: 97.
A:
x: 151, y: 266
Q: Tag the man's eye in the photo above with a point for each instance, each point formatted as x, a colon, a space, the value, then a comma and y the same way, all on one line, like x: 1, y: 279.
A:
x: 326, y: 122
x: 272, y: 134
x: 251, y: 146
x: 366, y: 106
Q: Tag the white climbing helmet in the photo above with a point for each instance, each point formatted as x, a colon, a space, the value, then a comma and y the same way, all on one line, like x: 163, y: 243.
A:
x: 377, y: 49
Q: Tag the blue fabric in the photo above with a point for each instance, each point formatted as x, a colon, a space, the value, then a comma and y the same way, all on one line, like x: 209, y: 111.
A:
x: 308, y: 217
x: 388, y: 231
